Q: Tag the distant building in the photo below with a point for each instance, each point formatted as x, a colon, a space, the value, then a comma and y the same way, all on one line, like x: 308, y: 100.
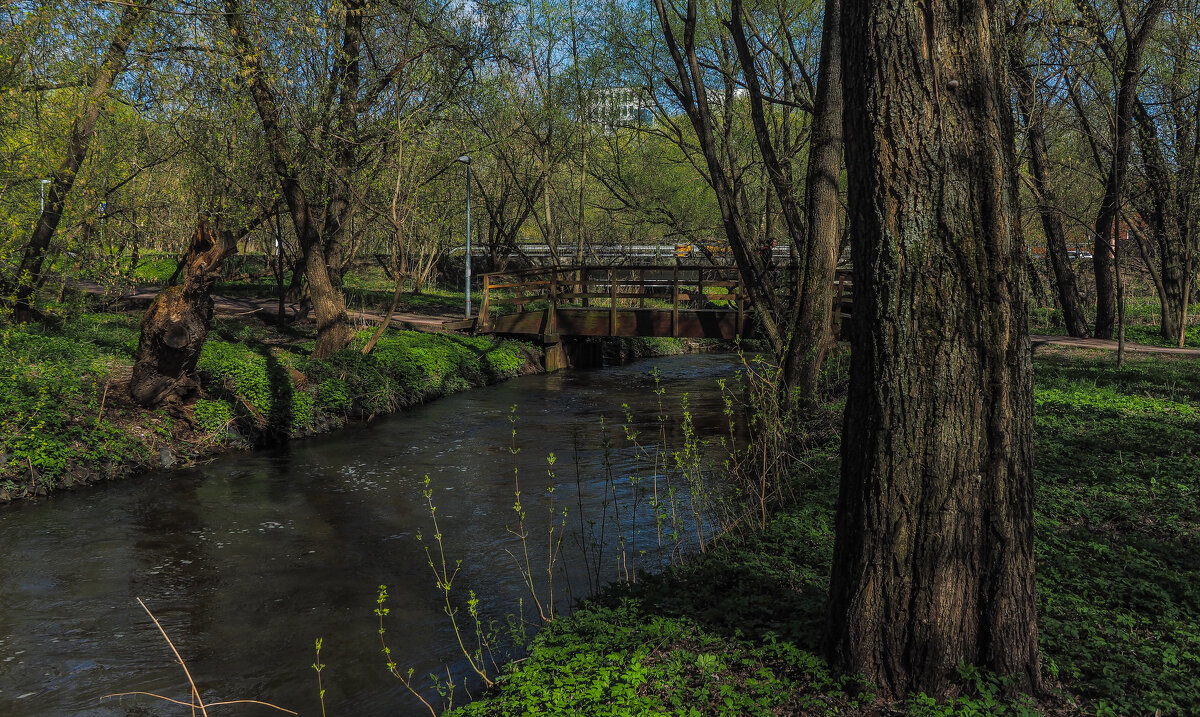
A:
x: 621, y: 107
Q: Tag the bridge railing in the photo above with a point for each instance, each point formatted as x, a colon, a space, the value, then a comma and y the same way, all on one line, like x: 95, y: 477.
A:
x: 690, y: 288
x: 613, y: 288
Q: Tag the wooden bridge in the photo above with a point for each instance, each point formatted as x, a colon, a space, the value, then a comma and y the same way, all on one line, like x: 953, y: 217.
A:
x: 549, y: 304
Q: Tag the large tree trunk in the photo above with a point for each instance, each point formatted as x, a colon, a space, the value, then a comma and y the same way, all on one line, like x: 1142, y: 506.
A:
x: 1044, y: 194
x: 175, y: 326
x: 933, y: 563
x: 28, y: 277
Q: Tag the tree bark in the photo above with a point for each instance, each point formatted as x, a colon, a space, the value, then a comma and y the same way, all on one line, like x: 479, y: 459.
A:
x: 83, y: 128
x: 933, y: 561
x: 689, y: 88
x: 808, y: 324
x: 1167, y: 207
x: 175, y: 326
x: 812, y: 328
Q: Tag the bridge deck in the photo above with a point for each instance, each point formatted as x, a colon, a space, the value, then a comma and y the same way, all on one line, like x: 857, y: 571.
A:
x: 683, y: 301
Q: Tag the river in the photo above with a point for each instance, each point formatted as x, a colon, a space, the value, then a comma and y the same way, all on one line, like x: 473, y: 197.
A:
x: 246, y: 560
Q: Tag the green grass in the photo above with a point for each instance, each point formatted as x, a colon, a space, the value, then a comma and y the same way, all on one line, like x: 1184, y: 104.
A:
x: 52, y: 427
x: 154, y: 269
x: 737, y: 630
x: 1118, y: 497
x: 59, y: 422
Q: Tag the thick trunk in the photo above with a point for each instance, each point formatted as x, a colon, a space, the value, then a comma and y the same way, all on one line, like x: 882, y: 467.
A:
x: 28, y: 276
x: 933, y: 564
x: 1045, y: 196
x: 1174, y: 287
x: 176, y: 324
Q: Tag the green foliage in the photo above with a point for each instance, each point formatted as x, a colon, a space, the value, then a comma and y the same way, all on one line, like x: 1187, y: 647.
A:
x: 213, y: 417
x: 1118, y: 475
x: 408, y: 367
x: 260, y: 382
x: 156, y: 269
x: 334, y: 394
x: 983, y: 698
x: 623, y: 659
x: 51, y: 389
x: 52, y: 384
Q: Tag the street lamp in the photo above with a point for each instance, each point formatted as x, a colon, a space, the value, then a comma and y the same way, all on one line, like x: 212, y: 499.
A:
x: 44, y: 183
x: 466, y: 159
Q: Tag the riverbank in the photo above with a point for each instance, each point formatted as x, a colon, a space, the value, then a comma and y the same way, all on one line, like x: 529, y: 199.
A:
x: 66, y: 418
x: 737, y: 631
x: 66, y: 421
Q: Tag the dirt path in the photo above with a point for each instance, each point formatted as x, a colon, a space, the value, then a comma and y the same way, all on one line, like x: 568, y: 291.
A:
x: 1108, y: 345
x: 141, y: 297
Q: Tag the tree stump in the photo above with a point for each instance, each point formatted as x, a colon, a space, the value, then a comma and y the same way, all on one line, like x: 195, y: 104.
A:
x: 176, y: 324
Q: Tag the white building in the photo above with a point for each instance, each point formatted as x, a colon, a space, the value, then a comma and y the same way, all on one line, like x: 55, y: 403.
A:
x: 621, y: 107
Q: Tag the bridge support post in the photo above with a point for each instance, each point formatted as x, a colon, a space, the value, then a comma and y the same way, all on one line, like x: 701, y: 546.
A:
x: 612, y: 302
x: 559, y: 353
x: 675, y: 301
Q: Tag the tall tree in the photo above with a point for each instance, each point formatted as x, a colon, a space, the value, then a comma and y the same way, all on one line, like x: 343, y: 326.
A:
x: 933, y: 561
x: 333, y: 325
x: 1137, y: 28
x: 1168, y: 140
x: 796, y: 321
x: 1043, y: 186
x: 83, y: 129
x: 816, y: 232
x: 324, y: 132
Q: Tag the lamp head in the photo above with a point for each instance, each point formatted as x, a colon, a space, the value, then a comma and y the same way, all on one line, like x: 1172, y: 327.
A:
x: 465, y: 159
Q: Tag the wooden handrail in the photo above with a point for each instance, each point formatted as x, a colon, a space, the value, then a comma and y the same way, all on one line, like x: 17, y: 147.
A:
x: 571, y: 284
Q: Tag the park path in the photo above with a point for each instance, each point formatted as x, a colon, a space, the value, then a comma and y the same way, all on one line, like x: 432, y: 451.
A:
x: 433, y: 321
x: 1040, y: 340
x: 140, y: 297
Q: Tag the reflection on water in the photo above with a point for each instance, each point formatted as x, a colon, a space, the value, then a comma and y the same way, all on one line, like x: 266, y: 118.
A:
x: 248, y: 559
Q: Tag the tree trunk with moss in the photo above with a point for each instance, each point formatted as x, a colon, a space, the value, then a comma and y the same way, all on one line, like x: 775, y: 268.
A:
x: 933, y: 563
x: 175, y: 326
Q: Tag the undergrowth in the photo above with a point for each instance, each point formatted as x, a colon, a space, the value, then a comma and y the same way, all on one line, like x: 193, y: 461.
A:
x: 737, y: 630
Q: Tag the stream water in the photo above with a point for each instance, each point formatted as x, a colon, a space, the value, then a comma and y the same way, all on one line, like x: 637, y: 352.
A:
x: 248, y: 559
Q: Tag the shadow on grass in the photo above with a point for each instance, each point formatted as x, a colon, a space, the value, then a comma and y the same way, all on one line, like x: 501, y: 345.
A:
x: 774, y: 581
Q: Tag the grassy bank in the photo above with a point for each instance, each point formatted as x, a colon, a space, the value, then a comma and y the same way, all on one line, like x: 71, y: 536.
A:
x: 737, y: 630
x: 65, y: 418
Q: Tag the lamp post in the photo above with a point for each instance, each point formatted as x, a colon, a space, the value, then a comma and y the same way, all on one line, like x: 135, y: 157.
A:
x: 44, y: 183
x: 466, y: 159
